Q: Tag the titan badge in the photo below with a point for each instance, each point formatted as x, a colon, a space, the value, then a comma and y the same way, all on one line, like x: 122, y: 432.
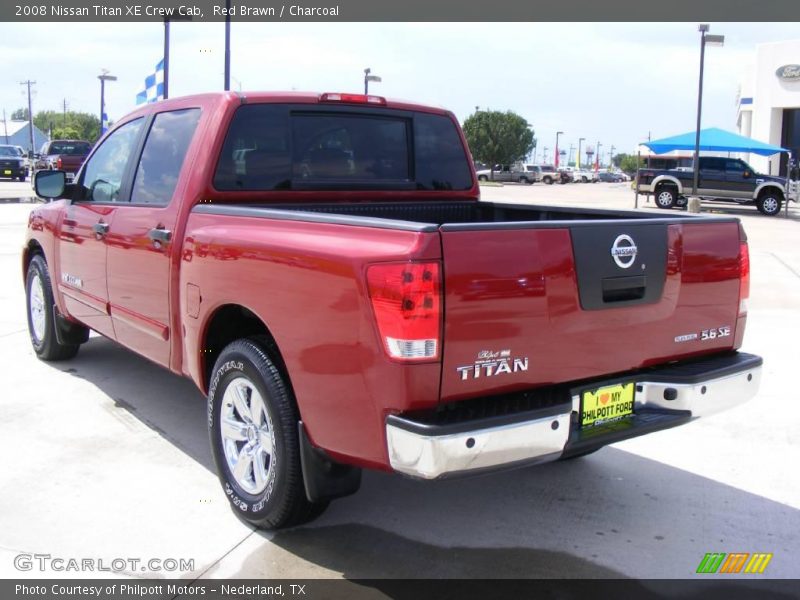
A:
x: 490, y: 364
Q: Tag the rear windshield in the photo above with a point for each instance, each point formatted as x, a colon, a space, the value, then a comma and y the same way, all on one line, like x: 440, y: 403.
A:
x: 70, y: 148
x: 278, y: 147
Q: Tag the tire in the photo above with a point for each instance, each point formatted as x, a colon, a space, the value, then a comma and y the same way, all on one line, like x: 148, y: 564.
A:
x: 584, y: 180
x: 22, y: 178
x: 41, y: 320
x: 524, y: 180
x: 268, y: 490
x: 483, y: 178
x: 769, y: 203
x: 547, y: 180
x: 666, y: 197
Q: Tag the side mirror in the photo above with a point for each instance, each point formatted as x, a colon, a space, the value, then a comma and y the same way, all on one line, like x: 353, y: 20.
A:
x: 50, y: 184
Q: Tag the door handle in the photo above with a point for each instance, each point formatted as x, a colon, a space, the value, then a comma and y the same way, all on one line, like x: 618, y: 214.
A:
x: 160, y: 235
x: 100, y: 229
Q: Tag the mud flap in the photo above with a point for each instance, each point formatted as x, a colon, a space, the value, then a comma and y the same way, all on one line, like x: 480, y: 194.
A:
x: 325, y: 479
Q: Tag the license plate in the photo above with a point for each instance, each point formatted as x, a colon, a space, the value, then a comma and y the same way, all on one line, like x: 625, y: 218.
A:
x: 605, y: 404
x: 7, y: 172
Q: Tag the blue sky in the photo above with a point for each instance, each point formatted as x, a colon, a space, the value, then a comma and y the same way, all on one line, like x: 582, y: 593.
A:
x: 612, y: 82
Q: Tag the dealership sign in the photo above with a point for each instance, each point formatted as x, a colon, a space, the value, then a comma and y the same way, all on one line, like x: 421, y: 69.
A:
x: 788, y: 72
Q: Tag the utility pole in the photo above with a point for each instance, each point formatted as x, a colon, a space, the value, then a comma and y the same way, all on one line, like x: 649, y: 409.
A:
x: 65, y: 112
x: 5, y: 125
x: 29, y: 83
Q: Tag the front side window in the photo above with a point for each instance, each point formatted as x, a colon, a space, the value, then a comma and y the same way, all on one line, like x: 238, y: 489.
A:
x: 162, y: 157
x: 103, y: 173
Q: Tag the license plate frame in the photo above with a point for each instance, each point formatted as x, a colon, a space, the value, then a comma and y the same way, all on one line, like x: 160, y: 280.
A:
x: 606, y: 403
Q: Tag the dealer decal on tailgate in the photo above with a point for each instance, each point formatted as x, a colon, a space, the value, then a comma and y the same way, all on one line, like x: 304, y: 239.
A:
x: 606, y: 404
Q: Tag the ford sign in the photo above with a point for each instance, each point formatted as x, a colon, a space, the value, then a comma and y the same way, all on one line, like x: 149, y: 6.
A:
x: 788, y: 72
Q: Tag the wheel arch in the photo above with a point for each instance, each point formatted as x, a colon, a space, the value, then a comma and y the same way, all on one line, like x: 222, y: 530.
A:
x: 667, y: 180
x: 767, y: 187
x: 31, y: 249
x: 230, y: 322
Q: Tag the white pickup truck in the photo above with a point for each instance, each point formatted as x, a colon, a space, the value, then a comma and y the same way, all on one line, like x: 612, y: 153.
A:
x: 582, y: 175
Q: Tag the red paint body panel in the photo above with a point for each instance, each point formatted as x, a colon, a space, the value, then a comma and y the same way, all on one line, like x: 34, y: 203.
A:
x: 510, y: 288
x: 516, y: 290
x: 306, y: 282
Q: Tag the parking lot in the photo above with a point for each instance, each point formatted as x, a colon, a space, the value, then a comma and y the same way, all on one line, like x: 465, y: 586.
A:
x: 107, y: 456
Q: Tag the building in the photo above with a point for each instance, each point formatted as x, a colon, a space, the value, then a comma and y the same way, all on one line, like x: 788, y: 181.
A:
x: 17, y: 133
x: 769, y: 103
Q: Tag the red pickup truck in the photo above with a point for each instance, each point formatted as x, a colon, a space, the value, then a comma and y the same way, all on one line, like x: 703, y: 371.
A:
x: 323, y: 269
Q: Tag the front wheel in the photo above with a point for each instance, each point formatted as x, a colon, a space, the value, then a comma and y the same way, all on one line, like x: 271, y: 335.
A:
x: 548, y: 180
x: 41, y: 315
x: 253, y: 426
x: 769, y: 203
x: 666, y: 197
x: 483, y: 178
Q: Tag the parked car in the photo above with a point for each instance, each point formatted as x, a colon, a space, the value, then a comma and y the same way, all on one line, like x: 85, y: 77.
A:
x: 65, y: 155
x: 582, y: 175
x: 508, y: 173
x: 369, y: 310
x: 609, y: 177
x: 551, y: 175
x: 13, y: 163
x: 725, y: 179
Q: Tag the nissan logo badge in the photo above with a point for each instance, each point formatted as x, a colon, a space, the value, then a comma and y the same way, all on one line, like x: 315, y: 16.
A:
x: 623, y: 251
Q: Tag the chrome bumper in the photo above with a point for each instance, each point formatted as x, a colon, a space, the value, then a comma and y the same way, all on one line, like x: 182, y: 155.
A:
x: 431, y: 451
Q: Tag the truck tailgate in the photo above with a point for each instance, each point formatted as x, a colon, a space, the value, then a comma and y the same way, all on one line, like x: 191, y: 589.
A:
x: 533, y: 304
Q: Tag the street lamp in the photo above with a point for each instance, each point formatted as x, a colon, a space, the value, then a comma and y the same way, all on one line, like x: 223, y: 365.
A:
x: 611, y: 156
x: 558, y: 133
x: 597, y: 157
x: 712, y: 40
x: 103, y: 77
x: 368, y: 78
x: 578, y: 162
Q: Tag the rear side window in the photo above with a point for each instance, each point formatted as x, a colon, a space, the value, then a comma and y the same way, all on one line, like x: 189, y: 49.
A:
x: 162, y: 157
x: 276, y: 147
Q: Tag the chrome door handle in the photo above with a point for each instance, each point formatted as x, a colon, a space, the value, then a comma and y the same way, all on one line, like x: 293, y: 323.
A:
x: 100, y: 229
x: 162, y: 236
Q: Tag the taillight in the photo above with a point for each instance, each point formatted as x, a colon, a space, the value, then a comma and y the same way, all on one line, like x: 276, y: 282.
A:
x: 353, y: 98
x: 58, y: 163
x: 744, y: 277
x: 406, y: 299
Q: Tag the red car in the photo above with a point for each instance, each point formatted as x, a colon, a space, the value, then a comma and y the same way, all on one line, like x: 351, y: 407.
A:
x: 322, y: 267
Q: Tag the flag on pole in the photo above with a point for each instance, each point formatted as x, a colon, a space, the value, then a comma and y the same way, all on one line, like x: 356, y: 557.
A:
x: 153, y: 86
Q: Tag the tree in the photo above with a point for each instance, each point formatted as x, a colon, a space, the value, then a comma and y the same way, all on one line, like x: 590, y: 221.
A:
x: 628, y: 162
x: 498, y: 137
x: 69, y: 125
x: 21, y: 114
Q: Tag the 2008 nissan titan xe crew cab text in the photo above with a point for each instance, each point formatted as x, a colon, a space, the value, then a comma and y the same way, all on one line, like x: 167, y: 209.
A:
x: 322, y: 267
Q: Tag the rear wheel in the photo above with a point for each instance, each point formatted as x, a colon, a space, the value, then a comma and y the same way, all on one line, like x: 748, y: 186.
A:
x: 666, y: 197
x: 523, y: 180
x: 253, y: 422
x: 547, y: 179
x: 769, y: 203
x: 41, y: 317
x: 483, y: 178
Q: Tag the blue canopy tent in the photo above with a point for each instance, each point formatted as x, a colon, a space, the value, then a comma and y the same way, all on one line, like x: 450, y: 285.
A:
x: 713, y: 140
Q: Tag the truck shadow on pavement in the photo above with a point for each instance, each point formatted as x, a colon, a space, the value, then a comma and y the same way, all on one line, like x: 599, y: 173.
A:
x: 609, y: 515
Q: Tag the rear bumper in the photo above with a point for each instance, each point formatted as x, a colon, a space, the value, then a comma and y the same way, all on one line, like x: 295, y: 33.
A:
x: 664, y: 398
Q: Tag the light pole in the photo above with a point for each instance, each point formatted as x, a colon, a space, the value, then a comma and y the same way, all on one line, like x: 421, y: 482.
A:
x: 611, y: 156
x: 578, y: 162
x: 558, y: 133
x: 103, y: 77
x: 597, y: 157
x: 714, y: 40
x: 368, y: 78
x: 544, y: 153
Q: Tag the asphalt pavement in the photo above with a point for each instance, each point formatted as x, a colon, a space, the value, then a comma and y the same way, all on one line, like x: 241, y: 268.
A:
x: 106, y: 456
